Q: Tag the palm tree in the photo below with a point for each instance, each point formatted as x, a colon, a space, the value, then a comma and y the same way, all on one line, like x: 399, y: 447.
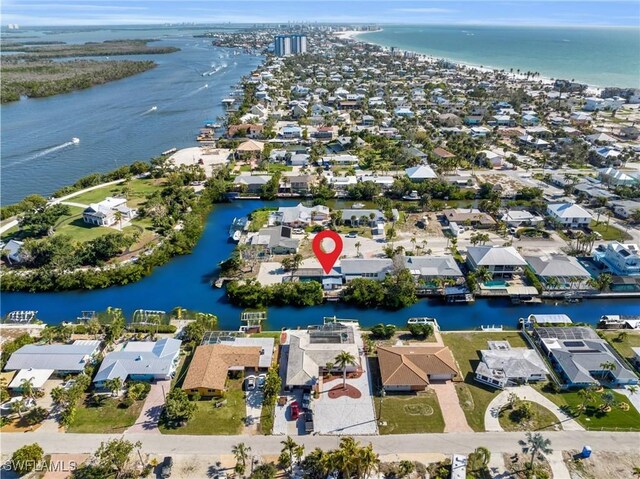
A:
x: 608, y: 399
x: 346, y: 457
x: 26, y: 386
x: 93, y: 327
x: 481, y: 458
x: 114, y: 385
x: 358, y: 245
x: 241, y: 453
x: 289, y: 447
x: 368, y: 461
x: 607, y: 366
x: 552, y: 282
x: 633, y: 389
x: 118, y: 217
x: 405, y: 468
x: 483, y: 274
x: 537, y: 445
x: 48, y: 335
x: 343, y: 360
x: 19, y: 407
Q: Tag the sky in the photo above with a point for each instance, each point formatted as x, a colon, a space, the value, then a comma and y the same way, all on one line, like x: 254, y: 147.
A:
x: 488, y: 12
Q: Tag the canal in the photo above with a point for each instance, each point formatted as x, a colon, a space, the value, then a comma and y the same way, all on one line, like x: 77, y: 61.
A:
x: 184, y: 281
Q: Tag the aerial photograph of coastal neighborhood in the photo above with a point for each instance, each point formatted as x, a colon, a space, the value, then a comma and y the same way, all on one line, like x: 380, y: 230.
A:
x: 351, y: 239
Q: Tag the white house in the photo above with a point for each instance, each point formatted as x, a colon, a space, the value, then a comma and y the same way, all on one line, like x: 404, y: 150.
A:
x: 13, y: 249
x: 371, y: 268
x: 502, y: 365
x: 104, y: 213
x: 622, y: 259
x: 569, y: 215
x: 517, y: 218
x: 499, y: 260
x: 420, y: 173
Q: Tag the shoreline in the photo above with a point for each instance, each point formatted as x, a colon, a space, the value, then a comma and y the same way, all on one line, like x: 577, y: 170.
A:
x: 356, y: 36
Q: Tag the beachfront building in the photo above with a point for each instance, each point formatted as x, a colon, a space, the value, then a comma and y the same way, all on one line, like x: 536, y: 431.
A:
x: 108, y: 212
x: 312, y: 352
x: 581, y: 358
x: 37, y: 362
x: 140, y: 361
x: 621, y: 259
x: 569, y: 215
x: 285, y: 45
x: 500, y: 261
x: 414, y: 368
x: 502, y: 366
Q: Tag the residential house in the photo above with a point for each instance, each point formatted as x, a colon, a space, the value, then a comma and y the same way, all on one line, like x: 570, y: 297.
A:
x: 621, y: 259
x: 299, y: 159
x: 429, y: 268
x: 501, y: 366
x: 212, y: 363
x: 533, y: 142
x: 37, y: 362
x: 140, y: 361
x: 324, y: 133
x: 300, y: 215
x: 291, y: 132
x: 519, y: 218
x: 361, y: 217
x: 312, y: 352
x: 625, y: 208
x: 420, y: 173
x: 300, y: 183
x: 13, y: 251
x: 581, y: 358
x: 566, y: 270
x: 276, y: 240
x: 249, y: 149
x: 369, y: 268
x: 414, y: 368
x: 470, y: 216
x: 106, y: 212
x: 501, y: 261
x: 442, y: 154
x: 252, y: 183
x: 248, y: 130
x: 569, y: 215
x: 614, y: 177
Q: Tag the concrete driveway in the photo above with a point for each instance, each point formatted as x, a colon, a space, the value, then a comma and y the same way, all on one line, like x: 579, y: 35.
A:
x: 149, y: 417
x: 254, y: 408
x: 452, y: 413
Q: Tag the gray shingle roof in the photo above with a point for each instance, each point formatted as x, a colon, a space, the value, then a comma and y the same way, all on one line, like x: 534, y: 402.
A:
x: 495, y: 256
x: 433, y: 265
x: 59, y: 357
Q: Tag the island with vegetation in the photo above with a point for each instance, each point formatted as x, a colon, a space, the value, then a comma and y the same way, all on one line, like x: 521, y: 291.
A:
x: 33, y: 72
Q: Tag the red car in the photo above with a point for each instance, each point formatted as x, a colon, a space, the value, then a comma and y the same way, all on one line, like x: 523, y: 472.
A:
x: 295, y: 410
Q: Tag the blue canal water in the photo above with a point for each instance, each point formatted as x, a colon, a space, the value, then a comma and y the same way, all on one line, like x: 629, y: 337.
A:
x: 185, y: 282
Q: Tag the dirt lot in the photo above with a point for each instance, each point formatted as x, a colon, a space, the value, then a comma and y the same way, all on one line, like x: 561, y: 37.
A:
x: 601, y: 464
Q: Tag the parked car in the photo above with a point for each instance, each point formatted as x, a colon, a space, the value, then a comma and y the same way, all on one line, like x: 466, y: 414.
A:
x: 294, y: 408
x: 513, y: 230
x: 352, y: 234
x: 298, y: 231
x: 308, y: 422
x: 68, y: 384
x: 8, y: 406
x: 262, y: 378
x: 167, y: 465
x: 250, y: 382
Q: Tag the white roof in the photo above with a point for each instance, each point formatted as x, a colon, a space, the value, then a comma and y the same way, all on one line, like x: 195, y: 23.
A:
x: 569, y: 210
x: 37, y: 376
x: 495, y: 256
x: 421, y: 172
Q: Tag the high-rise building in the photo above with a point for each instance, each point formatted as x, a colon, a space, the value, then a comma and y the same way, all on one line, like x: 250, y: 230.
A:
x: 285, y: 45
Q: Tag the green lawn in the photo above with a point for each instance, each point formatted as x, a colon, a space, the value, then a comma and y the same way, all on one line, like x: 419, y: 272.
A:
x: 593, y: 418
x: 73, y: 225
x: 475, y: 397
x: 209, y: 420
x: 409, y: 414
x: 107, y: 418
x: 139, y: 189
x: 259, y: 219
x: 609, y: 232
x: 541, y: 419
x: 630, y: 339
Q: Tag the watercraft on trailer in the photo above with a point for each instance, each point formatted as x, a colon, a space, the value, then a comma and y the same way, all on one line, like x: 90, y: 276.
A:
x: 420, y: 320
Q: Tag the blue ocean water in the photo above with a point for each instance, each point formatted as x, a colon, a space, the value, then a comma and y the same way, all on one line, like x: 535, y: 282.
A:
x: 594, y: 55
x: 114, y: 121
x: 185, y: 282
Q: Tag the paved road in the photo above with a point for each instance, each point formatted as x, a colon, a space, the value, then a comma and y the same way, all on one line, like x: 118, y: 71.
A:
x: 445, y: 443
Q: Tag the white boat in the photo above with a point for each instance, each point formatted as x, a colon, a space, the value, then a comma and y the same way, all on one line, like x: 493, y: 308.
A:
x: 420, y: 320
x: 357, y: 206
x: 236, y: 236
x: 75, y: 140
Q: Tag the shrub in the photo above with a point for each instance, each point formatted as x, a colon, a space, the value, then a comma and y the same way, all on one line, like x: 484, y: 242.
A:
x: 25, y: 459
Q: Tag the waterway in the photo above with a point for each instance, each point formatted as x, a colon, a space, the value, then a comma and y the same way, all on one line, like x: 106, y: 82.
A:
x: 115, y: 122
x: 185, y: 282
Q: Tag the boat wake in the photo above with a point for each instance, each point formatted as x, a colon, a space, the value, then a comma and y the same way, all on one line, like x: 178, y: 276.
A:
x: 48, y: 151
x: 197, y: 90
x: 215, y: 70
x: 150, y: 110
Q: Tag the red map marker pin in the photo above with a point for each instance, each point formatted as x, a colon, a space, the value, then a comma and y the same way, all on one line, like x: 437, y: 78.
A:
x: 327, y: 259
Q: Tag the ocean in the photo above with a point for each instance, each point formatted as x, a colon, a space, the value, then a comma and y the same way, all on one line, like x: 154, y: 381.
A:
x: 594, y: 55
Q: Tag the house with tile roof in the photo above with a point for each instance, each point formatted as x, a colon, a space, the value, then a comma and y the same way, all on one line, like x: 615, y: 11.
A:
x: 413, y: 368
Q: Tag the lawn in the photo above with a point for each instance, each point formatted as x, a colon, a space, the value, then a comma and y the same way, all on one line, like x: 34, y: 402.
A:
x: 209, y: 420
x: 593, y: 418
x: 74, y: 226
x: 630, y: 339
x: 259, y: 219
x: 475, y: 397
x: 409, y: 414
x: 609, y: 232
x: 541, y: 419
x: 138, y: 190
x: 106, y: 418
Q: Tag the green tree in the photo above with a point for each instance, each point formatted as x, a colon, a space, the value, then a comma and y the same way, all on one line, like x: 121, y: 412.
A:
x: 420, y: 331
x: 27, y: 458
x: 383, y: 331
x: 343, y: 360
x: 241, y: 453
x: 114, y: 385
x: 264, y: 471
x: 178, y: 409
x: 113, y: 455
x: 289, y: 447
x: 536, y: 445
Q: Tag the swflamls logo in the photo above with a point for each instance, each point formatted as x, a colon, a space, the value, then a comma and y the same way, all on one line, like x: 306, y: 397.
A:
x: 40, y: 466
